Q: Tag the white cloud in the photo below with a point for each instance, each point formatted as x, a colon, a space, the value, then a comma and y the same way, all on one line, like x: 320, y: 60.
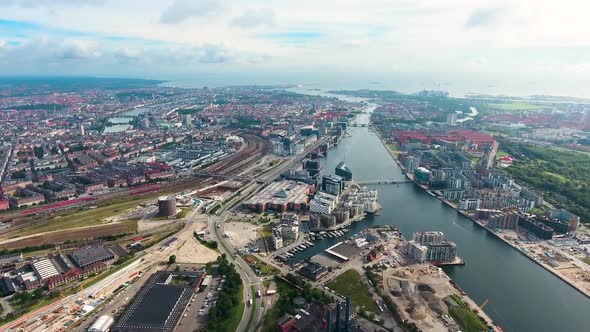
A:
x: 254, y: 18
x: 473, y: 38
x: 182, y: 10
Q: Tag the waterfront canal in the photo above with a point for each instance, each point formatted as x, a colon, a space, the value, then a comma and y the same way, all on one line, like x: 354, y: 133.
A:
x: 522, y: 295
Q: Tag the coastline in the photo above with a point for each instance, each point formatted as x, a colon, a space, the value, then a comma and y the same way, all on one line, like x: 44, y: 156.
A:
x: 545, y: 266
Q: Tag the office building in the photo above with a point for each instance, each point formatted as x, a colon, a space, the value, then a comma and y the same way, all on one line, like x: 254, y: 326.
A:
x: 343, y: 171
x: 332, y: 184
x: 422, y: 175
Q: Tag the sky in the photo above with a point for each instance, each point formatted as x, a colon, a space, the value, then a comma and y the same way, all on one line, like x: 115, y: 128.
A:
x: 533, y: 46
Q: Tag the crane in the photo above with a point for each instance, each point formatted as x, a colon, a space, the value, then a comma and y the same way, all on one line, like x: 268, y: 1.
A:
x: 483, y: 304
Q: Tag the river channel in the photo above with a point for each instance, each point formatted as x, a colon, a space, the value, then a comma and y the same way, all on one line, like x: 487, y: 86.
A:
x: 522, y: 295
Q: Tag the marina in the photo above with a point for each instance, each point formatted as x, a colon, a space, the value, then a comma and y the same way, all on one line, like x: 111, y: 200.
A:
x: 493, y: 270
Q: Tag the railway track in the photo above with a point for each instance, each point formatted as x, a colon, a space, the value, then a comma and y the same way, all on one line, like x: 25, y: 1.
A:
x: 257, y: 146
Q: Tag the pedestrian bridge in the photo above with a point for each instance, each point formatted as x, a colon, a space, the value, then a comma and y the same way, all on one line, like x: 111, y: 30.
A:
x: 383, y: 181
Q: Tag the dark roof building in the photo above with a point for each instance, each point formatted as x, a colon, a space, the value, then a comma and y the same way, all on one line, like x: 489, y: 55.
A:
x: 160, y: 304
x: 6, y: 287
x: 343, y: 171
x: 90, y: 255
x: 313, y: 271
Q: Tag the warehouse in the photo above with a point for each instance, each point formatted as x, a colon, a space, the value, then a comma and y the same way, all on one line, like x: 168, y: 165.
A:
x: 92, y: 254
x: 160, y: 304
x: 45, y: 269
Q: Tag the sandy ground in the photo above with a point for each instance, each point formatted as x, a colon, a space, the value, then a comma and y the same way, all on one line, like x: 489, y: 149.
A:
x: 189, y: 250
x: 429, y: 320
x: 240, y: 233
x: 569, y: 265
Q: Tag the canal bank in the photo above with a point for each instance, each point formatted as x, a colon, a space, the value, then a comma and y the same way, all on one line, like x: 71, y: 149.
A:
x: 521, y: 295
x: 565, y: 279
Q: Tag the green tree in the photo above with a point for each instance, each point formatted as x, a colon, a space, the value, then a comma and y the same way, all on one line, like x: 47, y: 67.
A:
x: 172, y: 259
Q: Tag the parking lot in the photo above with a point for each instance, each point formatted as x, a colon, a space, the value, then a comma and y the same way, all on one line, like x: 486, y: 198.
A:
x: 195, y: 316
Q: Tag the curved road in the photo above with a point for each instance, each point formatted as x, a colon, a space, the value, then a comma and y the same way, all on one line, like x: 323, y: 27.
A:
x: 249, y: 278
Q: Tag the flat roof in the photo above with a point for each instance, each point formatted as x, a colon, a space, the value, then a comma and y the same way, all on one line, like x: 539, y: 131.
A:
x: 343, y: 250
x: 160, y: 304
x: 92, y: 254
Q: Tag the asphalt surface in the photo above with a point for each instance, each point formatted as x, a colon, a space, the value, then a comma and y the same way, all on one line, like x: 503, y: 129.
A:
x: 249, y: 278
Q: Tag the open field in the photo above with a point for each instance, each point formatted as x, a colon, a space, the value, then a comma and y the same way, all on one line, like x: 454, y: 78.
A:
x: 514, y: 106
x: 466, y: 318
x: 263, y: 268
x: 80, y: 218
x: 129, y: 226
x: 350, y: 284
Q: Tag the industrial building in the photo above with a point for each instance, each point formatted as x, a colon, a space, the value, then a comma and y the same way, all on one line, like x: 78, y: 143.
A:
x: 93, y: 254
x: 167, y: 206
x: 281, y: 196
x: 45, y: 269
x: 160, y: 304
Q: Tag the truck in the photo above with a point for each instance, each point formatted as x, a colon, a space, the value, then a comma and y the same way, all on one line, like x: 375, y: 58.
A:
x: 249, y: 302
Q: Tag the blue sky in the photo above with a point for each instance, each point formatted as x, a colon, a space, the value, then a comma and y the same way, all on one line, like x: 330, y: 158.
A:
x: 539, y: 44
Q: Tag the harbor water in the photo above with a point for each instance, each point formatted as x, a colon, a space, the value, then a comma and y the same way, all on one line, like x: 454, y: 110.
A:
x: 521, y: 295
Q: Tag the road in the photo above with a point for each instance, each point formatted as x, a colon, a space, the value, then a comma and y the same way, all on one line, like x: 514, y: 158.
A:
x: 249, y: 278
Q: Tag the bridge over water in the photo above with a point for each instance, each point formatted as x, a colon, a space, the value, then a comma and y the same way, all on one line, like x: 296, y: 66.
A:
x: 383, y: 181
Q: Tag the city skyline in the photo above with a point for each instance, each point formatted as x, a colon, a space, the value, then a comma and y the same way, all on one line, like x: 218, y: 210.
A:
x: 458, y: 46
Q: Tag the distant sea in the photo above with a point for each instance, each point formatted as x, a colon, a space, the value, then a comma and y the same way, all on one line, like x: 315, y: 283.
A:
x: 457, y: 87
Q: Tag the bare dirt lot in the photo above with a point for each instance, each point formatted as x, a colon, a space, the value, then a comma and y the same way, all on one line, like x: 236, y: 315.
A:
x: 241, y: 233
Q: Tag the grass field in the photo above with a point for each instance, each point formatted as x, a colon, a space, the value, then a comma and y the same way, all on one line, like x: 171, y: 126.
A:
x: 265, y: 269
x: 349, y: 284
x: 234, y: 321
x: 128, y: 226
x: 514, y: 106
x: 76, y: 219
x: 467, y: 319
x: 586, y: 260
x: 392, y: 147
